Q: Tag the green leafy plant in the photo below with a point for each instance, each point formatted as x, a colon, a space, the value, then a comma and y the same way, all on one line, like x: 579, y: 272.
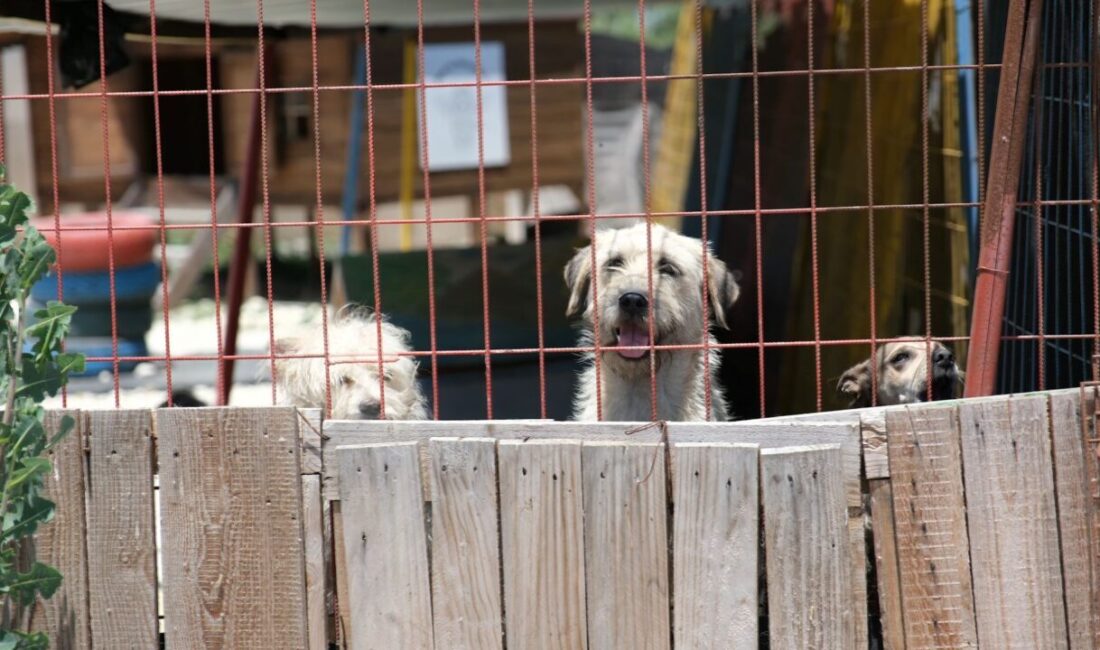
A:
x: 32, y: 366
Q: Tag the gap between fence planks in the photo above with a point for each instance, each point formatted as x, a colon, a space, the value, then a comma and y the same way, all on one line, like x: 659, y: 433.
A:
x: 930, y: 525
x: 386, y: 547
x: 232, y: 530
x: 1013, y: 525
x: 715, y: 543
x: 805, y: 532
x: 625, y: 545
x: 466, y: 587
x: 314, y: 545
x: 61, y: 543
x: 122, y: 580
x: 542, y: 533
x: 1074, y: 515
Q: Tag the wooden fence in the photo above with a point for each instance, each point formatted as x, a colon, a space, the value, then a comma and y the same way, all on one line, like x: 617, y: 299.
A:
x: 934, y: 526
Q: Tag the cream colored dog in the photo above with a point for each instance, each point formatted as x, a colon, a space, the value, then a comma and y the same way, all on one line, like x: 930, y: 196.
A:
x: 623, y: 265
x: 353, y: 370
x: 901, y: 368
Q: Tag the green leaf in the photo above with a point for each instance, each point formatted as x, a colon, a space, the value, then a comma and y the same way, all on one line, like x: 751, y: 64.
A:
x: 39, y: 380
x: 70, y: 363
x: 23, y: 519
x: 41, y: 579
x: 67, y: 424
x: 13, y: 207
x: 38, y: 255
x: 29, y: 469
x: 51, y: 323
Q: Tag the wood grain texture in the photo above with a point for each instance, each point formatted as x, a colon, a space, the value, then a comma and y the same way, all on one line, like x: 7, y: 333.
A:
x: 122, y: 579
x: 625, y: 545
x: 386, y: 547
x: 309, y: 431
x: 1013, y: 523
x: 715, y: 544
x: 891, y: 617
x: 542, y: 544
x: 930, y: 527
x: 314, y: 537
x: 340, y: 567
x: 61, y: 543
x: 1074, y: 515
x: 808, y: 566
x: 234, y: 558
x: 1090, y: 409
x: 466, y: 599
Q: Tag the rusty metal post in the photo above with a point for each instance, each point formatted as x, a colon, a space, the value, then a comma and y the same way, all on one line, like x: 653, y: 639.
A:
x: 238, y: 267
x: 999, y: 210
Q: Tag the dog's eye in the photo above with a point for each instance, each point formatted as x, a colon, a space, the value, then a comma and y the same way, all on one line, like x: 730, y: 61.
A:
x: 347, y: 381
x: 664, y: 267
x: 387, y: 376
x: 615, y: 263
x: 900, y: 358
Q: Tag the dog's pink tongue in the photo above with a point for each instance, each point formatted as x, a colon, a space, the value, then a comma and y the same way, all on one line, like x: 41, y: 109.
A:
x: 635, y: 336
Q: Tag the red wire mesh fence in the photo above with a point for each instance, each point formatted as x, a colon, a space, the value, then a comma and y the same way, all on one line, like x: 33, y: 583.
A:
x: 837, y: 154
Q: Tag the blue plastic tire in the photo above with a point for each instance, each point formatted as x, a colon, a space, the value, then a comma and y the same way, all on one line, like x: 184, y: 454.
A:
x: 131, y: 283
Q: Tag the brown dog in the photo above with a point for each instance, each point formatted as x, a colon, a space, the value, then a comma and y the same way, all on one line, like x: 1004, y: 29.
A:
x: 901, y: 368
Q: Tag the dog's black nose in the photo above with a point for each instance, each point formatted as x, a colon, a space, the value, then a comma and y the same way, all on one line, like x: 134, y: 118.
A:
x: 370, y: 410
x: 634, y: 304
x: 943, y: 357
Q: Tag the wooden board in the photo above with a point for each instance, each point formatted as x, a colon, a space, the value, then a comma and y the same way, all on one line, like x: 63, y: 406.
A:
x: 314, y: 538
x: 625, y: 545
x: 891, y: 617
x: 765, y: 434
x: 715, y: 543
x: 340, y: 567
x: 122, y: 578
x: 234, y: 559
x: 61, y: 543
x: 930, y: 527
x: 808, y: 567
x: 309, y: 430
x: 1013, y: 523
x: 386, y: 547
x: 466, y: 599
x: 1074, y: 515
x: 1089, y: 412
x: 542, y: 544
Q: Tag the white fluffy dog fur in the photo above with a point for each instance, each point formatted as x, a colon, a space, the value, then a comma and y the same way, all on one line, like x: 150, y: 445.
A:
x: 901, y: 371
x: 353, y: 370
x: 623, y: 267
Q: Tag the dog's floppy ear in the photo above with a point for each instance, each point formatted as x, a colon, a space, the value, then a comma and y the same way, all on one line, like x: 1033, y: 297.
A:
x: 723, y: 289
x: 855, y: 384
x: 578, y: 273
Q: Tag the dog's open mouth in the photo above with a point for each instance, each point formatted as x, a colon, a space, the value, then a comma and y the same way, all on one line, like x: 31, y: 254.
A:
x: 635, y: 336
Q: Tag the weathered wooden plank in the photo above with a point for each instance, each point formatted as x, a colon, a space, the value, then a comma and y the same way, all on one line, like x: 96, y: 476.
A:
x: 61, y: 543
x: 465, y: 548
x: 715, y: 543
x: 930, y: 527
x: 1074, y: 515
x: 234, y: 557
x: 542, y: 535
x: 122, y: 579
x: 309, y: 429
x: 340, y: 565
x: 891, y: 617
x: 313, y: 529
x: 808, y: 567
x: 765, y: 434
x: 876, y: 462
x: 1089, y: 410
x: 1013, y: 523
x: 386, y: 547
x: 625, y: 545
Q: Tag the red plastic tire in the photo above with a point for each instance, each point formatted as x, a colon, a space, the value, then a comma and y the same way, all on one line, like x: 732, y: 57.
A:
x: 87, y: 250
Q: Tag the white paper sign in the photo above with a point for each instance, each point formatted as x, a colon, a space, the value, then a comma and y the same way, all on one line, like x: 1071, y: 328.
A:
x: 452, y: 112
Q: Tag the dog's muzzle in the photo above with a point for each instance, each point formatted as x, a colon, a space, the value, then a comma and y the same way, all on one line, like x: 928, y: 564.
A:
x: 633, y: 332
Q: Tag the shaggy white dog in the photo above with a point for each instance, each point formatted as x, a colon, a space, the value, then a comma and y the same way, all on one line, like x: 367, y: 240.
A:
x: 623, y: 265
x: 901, y: 369
x: 356, y: 389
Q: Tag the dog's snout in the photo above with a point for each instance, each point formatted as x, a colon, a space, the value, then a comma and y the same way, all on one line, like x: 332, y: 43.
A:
x: 370, y: 410
x: 633, y: 303
x: 943, y: 357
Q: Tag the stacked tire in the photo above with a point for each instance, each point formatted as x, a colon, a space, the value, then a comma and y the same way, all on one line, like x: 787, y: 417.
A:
x: 86, y: 253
